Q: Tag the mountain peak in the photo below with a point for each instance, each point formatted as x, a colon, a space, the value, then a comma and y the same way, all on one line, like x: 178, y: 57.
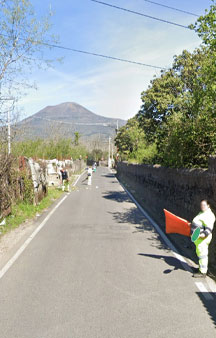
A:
x: 69, y: 117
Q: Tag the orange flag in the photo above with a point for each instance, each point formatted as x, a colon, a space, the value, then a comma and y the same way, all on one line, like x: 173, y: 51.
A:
x: 176, y: 225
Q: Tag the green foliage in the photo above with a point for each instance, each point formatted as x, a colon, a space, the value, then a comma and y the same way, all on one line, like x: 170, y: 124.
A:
x: 25, y: 211
x: 144, y: 154
x: 96, y: 155
x: 206, y: 26
x: 49, y: 149
x: 176, y: 125
x: 129, y: 137
x: 132, y: 145
x: 206, y: 29
x: 76, y: 138
x: 22, y: 41
x: 28, y: 189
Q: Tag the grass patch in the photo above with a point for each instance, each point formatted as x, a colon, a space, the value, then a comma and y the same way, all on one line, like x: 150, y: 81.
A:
x: 22, y: 211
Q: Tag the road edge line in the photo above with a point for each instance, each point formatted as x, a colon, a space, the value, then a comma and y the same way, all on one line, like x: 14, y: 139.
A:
x: 78, y: 178
x: 18, y: 253
x: 160, y: 232
x: 175, y: 252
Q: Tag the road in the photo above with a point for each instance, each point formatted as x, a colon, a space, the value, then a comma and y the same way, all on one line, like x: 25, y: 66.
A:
x: 98, y: 269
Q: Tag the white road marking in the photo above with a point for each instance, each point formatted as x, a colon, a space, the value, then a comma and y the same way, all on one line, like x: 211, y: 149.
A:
x: 29, y: 239
x: 175, y: 252
x: 78, y: 178
x: 211, y: 285
x: 32, y: 236
x: 161, y: 233
x: 204, y: 291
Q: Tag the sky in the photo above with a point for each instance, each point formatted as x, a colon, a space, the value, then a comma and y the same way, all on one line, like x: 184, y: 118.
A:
x: 106, y: 87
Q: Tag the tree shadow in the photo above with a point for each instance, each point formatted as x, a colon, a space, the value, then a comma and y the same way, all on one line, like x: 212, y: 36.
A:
x: 108, y: 175
x: 118, y: 196
x: 209, y: 304
x: 173, y: 262
x: 141, y: 225
x: 133, y: 215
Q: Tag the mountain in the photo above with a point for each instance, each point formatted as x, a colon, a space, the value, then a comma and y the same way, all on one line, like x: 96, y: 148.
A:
x: 66, y: 118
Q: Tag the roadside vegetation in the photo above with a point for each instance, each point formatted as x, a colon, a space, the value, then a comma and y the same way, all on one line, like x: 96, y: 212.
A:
x: 25, y: 211
x: 50, y: 149
x: 175, y: 126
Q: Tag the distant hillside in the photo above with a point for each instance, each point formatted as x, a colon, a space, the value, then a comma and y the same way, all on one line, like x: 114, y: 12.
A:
x: 66, y: 118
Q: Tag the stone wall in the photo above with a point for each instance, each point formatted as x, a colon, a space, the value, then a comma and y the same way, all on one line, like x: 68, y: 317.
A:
x: 21, y: 179
x: 177, y: 190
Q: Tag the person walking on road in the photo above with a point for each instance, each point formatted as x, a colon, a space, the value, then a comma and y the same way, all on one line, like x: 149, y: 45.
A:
x: 205, y: 221
x: 90, y: 176
x: 65, y: 180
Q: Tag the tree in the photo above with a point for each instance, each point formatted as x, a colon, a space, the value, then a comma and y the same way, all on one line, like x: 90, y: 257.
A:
x: 48, y: 149
x: 190, y: 138
x: 206, y: 29
x: 96, y: 155
x: 23, y: 38
x: 178, y: 111
x: 77, y: 137
x: 132, y: 145
x: 205, y: 26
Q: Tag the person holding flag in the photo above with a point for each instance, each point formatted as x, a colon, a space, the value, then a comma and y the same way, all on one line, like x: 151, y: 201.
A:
x: 205, y: 222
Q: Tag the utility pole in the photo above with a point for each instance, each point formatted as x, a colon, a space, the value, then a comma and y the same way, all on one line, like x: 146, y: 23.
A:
x: 9, y: 132
x: 8, y: 122
x: 109, y: 159
x: 112, y: 151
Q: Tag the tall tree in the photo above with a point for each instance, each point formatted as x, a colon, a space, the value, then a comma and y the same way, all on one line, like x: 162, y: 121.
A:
x: 132, y: 145
x: 23, y: 38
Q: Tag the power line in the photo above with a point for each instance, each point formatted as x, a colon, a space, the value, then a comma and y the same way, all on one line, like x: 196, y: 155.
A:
x: 105, y: 56
x: 173, y: 8
x: 91, y: 53
x: 141, y: 14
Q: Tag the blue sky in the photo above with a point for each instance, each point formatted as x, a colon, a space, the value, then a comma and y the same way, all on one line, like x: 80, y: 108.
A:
x: 106, y: 87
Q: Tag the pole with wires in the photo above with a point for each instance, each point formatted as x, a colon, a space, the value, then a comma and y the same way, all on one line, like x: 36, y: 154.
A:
x: 109, y: 153
x: 112, y: 152
x: 9, y: 131
x: 8, y: 123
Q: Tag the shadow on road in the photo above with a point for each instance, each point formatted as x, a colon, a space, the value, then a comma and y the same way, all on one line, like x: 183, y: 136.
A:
x: 209, y: 305
x: 173, y: 262
x: 118, y: 196
x: 108, y: 175
x: 132, y: 215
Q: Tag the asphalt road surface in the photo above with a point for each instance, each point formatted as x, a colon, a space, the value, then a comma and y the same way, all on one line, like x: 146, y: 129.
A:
x: 97, y: 269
